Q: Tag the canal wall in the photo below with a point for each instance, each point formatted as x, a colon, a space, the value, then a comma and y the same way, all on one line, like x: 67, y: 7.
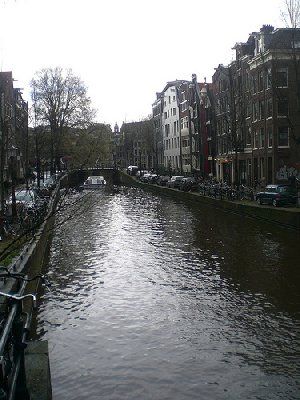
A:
x: 284, y: 217
x: 34, y: 253
x: 31, y: 262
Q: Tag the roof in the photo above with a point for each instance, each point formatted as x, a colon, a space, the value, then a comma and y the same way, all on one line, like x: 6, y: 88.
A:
x: 174, y: 83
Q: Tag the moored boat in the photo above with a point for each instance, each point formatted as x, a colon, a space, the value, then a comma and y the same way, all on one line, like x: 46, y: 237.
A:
x: 94, y: 182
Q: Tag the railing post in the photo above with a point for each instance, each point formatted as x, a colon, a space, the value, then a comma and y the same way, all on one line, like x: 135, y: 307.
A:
x: 21, y: 392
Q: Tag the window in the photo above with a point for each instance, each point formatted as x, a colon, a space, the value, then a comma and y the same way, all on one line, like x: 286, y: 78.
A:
x: 254, y: 111
x: 174, y: 98
x: 282, y: 77
x: 219, y: 146
x: 248, y: 137
x: 261, y: 81
x: 169, y: 99
x: 261, y: 106
x: 262, y: 137
x: 167, y: 129
x: 165, y: 115
x: 185, y: 142
x: 184, y: 123
x: 295, y: 44
x: 269, y: 108
x: 270, y: 136
x: 269, y: 78
x: 174, y: 111
x: 248, y: 109
x: 184, y: 106
x: 254, y: 84
x: 282, y: 107
x: 262, y: 168
x: 256, y: 144
x: 175, y: 126
x: 246, y: 80
x: 283, y: 136
x: 195, y: 111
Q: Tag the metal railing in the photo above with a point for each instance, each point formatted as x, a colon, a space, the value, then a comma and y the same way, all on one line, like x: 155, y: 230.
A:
x: 14, y: 328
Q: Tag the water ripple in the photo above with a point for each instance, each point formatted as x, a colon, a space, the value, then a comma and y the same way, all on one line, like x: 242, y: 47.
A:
x: 154, y: 299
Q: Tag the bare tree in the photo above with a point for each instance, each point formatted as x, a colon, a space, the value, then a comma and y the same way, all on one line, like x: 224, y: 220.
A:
x: 60, y: 102
x: 290, y: 13
x: 88, y: 147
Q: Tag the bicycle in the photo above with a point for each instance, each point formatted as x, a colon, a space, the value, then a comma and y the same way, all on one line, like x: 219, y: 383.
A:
x: 15, y: 326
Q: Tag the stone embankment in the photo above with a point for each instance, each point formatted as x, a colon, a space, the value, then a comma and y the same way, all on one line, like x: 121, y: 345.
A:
x: 286, y: 217
x: 30, y: 262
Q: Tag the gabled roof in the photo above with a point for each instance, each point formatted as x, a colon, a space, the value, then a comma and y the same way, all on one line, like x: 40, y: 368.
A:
x: 174, y: 83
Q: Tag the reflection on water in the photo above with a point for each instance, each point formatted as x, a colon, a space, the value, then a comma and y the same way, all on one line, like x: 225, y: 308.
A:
x: 154, y: 299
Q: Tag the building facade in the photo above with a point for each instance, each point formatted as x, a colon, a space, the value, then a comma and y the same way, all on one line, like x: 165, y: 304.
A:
x: 13, y: 134
x: 136, y: 145
x: 183, y: 117
x: 275, y: 73
x: 171, y: 127
x: 157, y: 110
x: 243, y: 128
x: 257, y: 110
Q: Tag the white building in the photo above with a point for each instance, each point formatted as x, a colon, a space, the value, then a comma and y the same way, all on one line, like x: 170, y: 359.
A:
x: 171, y: 127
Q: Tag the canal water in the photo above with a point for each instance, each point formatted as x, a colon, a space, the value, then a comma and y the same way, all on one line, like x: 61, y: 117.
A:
x: 154, y: 298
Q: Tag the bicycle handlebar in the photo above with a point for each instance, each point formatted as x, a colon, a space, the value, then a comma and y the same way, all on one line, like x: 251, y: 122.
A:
x: 20, y: 275
x: 19, y: 298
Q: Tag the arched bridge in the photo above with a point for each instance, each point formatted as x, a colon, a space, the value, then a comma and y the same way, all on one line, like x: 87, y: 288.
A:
x: 77, y: 177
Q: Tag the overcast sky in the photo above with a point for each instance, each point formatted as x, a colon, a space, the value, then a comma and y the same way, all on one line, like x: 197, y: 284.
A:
x: 126, y: 50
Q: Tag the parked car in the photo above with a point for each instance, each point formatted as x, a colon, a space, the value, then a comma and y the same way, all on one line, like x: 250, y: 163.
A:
x: 140, y: 173
x: 188, y: 184
x: 175, y: 181
x: 163, y: 180
x: 149, y: 178
x: 25, y: 199
x: 145, y: 178
x: 277, y: 195
x: 153, y: 178
x: 132, y: 170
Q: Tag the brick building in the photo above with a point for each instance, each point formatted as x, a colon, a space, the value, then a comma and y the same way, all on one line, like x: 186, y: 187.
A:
x: 13, y: 133
x: 257, y: 114
x: 136, y: 145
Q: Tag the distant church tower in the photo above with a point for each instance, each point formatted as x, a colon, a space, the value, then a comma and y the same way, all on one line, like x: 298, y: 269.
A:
x: 116, y: 129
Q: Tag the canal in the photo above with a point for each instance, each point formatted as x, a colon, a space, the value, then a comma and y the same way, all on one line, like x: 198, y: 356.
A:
x: 153, y: 298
